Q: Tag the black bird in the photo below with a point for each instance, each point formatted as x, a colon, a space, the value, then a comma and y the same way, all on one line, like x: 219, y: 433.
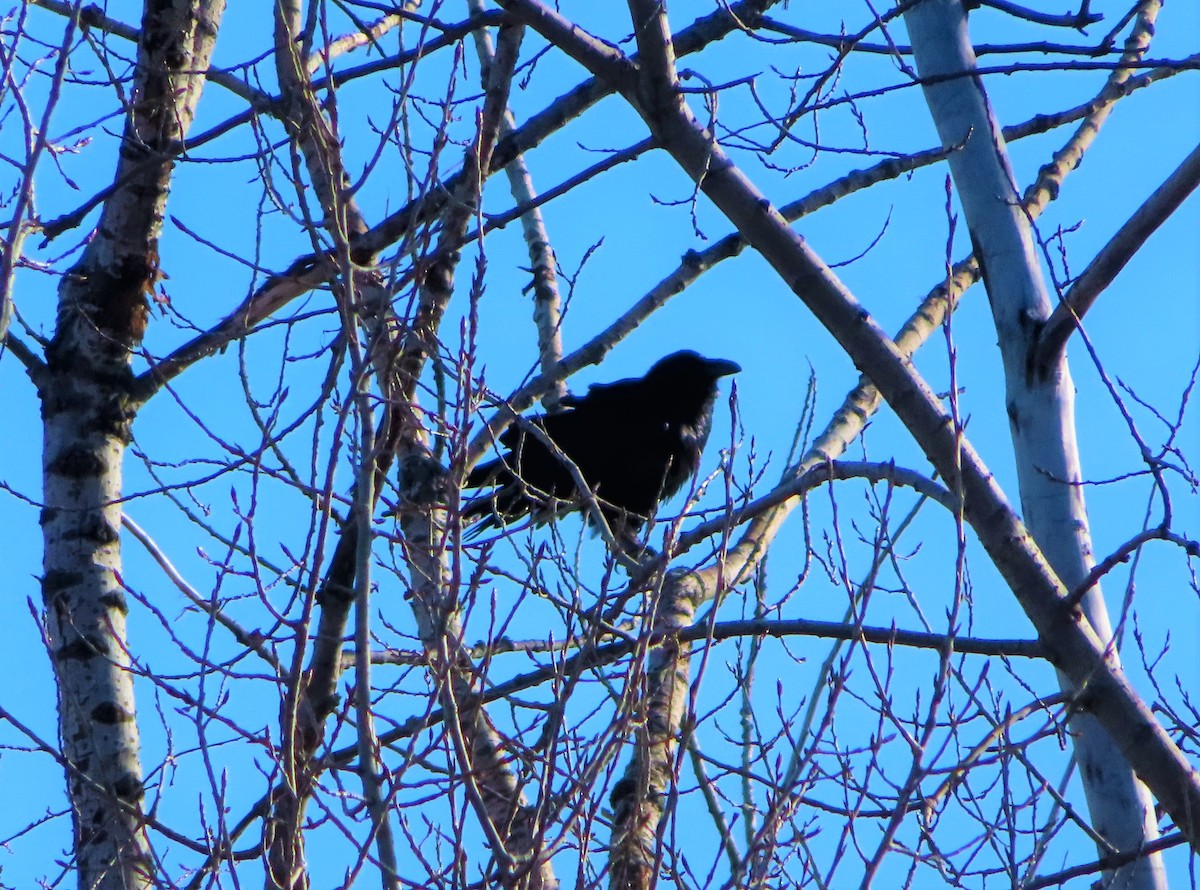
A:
x: 635, y: 442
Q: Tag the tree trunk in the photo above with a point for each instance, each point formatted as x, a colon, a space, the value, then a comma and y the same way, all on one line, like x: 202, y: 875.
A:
x: 87, y: 413
x: 1040, y: 401
x: 86, y: 431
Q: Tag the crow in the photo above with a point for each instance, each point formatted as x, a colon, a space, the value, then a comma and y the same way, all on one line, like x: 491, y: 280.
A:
x: 635, y: 442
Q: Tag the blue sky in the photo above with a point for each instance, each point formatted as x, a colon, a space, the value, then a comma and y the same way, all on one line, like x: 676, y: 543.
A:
x: 631, y: 230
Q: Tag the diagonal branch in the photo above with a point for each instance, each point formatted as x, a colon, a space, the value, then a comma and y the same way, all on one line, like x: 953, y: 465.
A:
x: 1113, y: 256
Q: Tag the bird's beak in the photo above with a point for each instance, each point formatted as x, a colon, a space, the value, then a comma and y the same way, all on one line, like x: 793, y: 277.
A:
x: 719, y: 367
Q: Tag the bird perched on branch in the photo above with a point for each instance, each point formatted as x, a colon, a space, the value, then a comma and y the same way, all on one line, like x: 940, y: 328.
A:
x: 633, y: 443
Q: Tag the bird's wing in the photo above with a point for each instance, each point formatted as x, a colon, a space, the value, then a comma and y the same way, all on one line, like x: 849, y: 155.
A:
x: 485, y: 473
x: 616, y: 396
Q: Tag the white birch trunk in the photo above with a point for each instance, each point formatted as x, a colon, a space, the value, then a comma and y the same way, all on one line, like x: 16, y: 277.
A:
x: 1039, y: 402
x: 85, y: 618
x: 87, y: 412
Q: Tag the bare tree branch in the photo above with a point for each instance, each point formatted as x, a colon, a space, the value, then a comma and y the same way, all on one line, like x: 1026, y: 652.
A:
x: 1108, y: 263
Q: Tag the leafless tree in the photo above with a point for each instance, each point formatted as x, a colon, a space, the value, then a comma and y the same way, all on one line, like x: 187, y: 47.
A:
x: 281, y: 656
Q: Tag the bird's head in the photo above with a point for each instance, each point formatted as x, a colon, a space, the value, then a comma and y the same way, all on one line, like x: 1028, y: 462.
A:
x: 691, y: 379
x: 688, y: 367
